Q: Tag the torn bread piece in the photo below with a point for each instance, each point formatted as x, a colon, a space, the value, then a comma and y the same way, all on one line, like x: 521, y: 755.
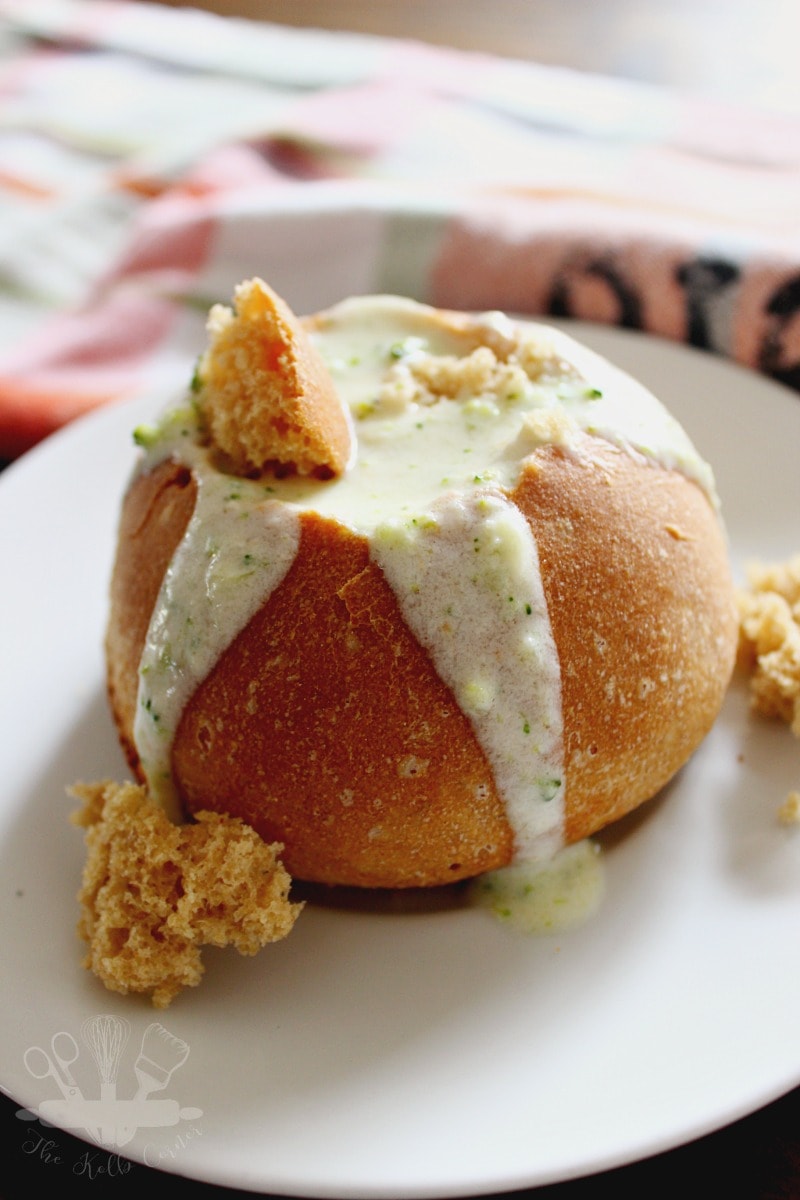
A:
x: 153, y: 893
x: 769, y: 638
x: 769, y: 649
x: 265, y: 394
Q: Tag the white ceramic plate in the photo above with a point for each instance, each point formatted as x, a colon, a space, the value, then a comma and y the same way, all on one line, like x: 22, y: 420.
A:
x: 428, y: 1051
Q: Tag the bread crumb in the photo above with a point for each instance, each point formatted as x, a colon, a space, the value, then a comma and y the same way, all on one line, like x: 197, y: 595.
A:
x: 153, y: 893
x: 500, y: 368
x: 769, y: 649
x: 428, y: 378
x: 264, y: 392
x: 789, y: 811
x: 769, y: 639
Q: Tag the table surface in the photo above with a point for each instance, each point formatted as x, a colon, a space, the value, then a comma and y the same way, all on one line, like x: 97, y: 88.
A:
x: 726, y: 50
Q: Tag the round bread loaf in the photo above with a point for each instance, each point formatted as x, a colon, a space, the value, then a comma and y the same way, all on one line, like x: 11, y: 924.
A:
x: 507, y: 622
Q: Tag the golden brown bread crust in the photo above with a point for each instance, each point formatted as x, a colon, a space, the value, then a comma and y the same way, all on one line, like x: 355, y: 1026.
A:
x: 636, y: 574
x: 328, y: 722
x: 326, y: 726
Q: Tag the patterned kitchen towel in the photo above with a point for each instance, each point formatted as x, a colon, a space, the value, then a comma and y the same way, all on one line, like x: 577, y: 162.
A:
x: 151, y: 157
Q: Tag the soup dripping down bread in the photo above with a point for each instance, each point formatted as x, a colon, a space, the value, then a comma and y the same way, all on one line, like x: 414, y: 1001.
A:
x: 416, y: 594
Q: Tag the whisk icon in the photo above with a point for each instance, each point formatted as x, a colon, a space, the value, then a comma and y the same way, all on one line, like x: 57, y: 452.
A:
x: 106, y: 1035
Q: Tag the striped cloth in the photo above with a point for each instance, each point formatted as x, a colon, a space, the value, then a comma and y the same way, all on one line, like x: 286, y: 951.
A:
x: 151, y: 157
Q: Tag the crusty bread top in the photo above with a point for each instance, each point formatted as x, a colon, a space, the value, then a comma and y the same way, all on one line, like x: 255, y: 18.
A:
x: 264, y: 392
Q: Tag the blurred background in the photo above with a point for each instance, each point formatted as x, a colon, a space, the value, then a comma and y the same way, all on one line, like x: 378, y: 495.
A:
x: 731, y: 50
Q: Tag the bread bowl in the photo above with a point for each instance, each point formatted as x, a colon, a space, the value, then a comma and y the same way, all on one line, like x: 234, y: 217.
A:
x: 496, y: 618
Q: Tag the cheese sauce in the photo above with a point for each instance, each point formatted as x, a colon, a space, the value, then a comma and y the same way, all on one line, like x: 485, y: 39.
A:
x: 444, y: 419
